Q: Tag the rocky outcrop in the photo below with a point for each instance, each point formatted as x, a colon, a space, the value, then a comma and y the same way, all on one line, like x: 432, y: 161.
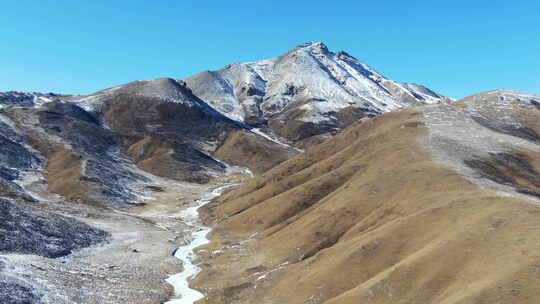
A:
x: 18, y: 293
x: 80, y: 156
x: 25, y: 99
x: 29, y: 231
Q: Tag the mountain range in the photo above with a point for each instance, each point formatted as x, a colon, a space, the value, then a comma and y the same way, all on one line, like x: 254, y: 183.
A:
x: 358, y: 188
x: 253, y: 115
x: 433, y: 204
x: 307, y: 94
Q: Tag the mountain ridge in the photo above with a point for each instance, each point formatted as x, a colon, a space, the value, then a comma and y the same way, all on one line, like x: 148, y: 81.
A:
x: 424, y: 205
x: 309, y: 86
x: 379, y: 213
x: 287, y: 114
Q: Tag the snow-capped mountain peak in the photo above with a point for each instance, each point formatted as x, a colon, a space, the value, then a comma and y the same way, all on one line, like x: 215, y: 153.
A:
x: 313, y: 46
x: 311, y: 83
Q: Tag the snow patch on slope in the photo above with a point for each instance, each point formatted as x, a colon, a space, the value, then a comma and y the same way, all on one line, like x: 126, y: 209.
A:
x: 510, y: 95
x: 273, y: 139
x: 455, y: 134
x: 24, y: 99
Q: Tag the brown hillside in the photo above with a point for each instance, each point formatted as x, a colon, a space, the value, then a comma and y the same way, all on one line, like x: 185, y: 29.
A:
x: 171, y: 158
x: 64, y: 165
x: 247, y: 149
x: 171, y: 133
x: 391, y: 211
x: 64, y: 174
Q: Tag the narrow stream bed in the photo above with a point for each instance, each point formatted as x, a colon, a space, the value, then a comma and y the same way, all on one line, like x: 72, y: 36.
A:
x: 180, y: 281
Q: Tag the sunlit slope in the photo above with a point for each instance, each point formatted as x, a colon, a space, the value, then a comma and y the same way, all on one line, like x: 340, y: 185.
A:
x: 393, y: 210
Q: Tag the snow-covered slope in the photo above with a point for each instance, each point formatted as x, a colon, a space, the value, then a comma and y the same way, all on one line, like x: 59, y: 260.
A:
x: 509, y: 96
x: 159, y: 89
x: 24, y: 99
x: 168, y: 130
x: 173, y: 128
x: 236, y: 91
x: 311, y: 80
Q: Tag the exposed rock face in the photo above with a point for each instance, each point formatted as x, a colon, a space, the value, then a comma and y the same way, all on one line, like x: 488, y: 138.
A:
x: 17, y: 160
x: 24, y: 99
x: 306, y: 92
x: 82, y: 155
x: 427, y: 205
x: 29, y: 231
x: 18, y: 293
x: 15, y: 157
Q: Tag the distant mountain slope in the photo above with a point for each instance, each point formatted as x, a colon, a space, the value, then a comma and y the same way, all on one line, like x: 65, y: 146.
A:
x: 248, y: 114
x: 24, y: 99
x: 170, y: 132
x: 437, y: 204
x: 69, y: 150
x: 308, y: 91
x: 86, y: 146
x: 163, y: 127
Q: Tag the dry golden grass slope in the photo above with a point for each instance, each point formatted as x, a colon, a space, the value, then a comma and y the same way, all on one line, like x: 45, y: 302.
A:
x: 429, y: 205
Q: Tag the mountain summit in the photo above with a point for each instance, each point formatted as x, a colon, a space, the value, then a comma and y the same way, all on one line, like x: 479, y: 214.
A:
x: 308, y: 91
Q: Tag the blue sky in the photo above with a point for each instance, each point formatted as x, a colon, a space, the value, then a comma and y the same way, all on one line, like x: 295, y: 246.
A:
x: 454, y: 47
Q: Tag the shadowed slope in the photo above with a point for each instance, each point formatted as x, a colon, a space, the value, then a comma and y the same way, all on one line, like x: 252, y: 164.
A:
x: 170, y: 132
x: 80, y: 156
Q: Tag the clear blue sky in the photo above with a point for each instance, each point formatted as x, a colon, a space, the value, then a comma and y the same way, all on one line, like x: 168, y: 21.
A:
x: 455, y: 47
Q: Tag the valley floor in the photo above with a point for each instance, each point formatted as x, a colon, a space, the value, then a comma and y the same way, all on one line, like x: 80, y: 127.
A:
x: 132, y: 267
